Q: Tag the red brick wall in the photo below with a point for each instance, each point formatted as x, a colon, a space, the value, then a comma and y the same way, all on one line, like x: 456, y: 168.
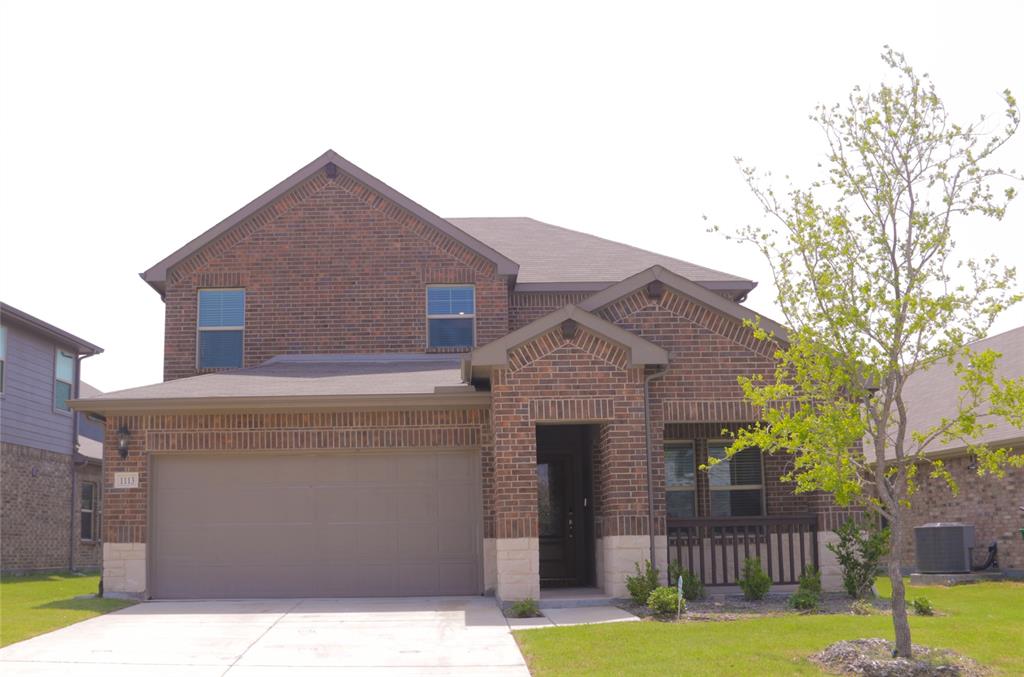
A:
x: 525, y: 307
x: 125, y: 510
x: 329, y: 268
x: 34, y: 517
x: 989, y: 503
x: 582, y: 379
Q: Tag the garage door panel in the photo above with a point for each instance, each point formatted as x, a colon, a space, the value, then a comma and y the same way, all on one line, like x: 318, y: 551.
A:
x: 315, y: 525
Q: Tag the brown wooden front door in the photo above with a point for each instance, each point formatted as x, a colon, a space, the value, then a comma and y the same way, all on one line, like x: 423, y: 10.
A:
x: 560, y: 517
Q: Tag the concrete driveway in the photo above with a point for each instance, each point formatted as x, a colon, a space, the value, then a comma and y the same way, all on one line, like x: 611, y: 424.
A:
x: 260, y: 638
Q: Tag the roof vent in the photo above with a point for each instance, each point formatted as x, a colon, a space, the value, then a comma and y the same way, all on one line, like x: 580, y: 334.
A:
x: 331, y: 170
x: 655, y: 289
x: 944, y: 547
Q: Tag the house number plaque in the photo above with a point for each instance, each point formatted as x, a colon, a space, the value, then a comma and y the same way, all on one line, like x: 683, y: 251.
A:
x: 126, y: 480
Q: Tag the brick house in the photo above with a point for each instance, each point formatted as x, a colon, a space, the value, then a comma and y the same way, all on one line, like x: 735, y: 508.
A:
x: 362, y: 398
x: 992, y: 505
x: 50, y: 458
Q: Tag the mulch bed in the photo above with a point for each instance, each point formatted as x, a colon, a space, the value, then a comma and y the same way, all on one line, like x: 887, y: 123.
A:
x: 873, y: 658
x: 735, y: 607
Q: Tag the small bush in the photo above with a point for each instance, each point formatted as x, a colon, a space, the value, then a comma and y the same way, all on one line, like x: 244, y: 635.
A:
x: 525, y: 608
x: 860, y: 548
x: 664, y: 600
x: 862, y: 607
x: 804, y: 600
x: 692, y: 587
x: 808, y: 595
x: 923, y: 607
x: 754, y: 582
x: 643, y: 584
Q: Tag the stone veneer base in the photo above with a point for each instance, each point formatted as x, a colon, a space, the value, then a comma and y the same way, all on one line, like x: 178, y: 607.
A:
x: 517, y: 565
x: 124, y: 569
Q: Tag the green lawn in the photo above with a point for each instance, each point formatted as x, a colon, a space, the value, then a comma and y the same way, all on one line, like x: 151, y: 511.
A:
x: 32, y: 605
x: 984, y: 621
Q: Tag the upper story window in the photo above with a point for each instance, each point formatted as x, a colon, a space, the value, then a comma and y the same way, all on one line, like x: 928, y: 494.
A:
x: 737, y: 483
x: 221, y: 327
x: 451, y: 316
x: 64, y: 379
x: 680, y: 479
x: 3, y: 356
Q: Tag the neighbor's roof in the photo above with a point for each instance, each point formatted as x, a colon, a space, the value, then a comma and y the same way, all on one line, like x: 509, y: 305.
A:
x: 554, y: 257
x: 9, y: 313
x: 156, y: 276
x: 307, y: 381
x: 933, y: 394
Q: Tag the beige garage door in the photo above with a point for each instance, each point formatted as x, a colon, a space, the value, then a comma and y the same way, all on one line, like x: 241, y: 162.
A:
x: 316, y: 525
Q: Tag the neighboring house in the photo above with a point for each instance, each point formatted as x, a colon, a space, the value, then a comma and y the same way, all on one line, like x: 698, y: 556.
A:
x: 363, y: 398
x: 991, y: 504
x: 50, y: 458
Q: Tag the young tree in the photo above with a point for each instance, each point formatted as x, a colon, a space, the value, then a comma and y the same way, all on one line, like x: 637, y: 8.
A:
x: 867, y: 282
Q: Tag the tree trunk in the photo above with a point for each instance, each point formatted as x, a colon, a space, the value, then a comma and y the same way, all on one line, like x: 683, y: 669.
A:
x: 900, y: 623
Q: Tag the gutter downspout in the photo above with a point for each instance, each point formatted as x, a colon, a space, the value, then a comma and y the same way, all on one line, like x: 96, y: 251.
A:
x: 650, y: 455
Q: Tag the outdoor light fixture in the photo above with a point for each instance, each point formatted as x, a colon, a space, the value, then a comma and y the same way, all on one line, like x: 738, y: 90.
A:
x: 122, y: 441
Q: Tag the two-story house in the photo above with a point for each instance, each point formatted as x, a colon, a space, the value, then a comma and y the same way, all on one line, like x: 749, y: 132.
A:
x: 362, y: 398
x: 50, y: 480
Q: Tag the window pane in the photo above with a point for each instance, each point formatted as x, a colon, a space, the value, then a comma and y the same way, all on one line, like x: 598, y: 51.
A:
x: 87, y: 496
x: 3, y: 342
x: 681, y: 504
x: 87, y: 526
x: 742, y: 468
x: 61, y: 395
x: 680, y: 466
x: 453, y: 333
x: 450, y: 301
x: 220, y: 349
x: 736, y: 503
x: 221, y: 307
x: 65, y: 366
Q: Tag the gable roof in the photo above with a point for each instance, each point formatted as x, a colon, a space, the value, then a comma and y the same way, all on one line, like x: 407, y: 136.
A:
x: 554, y: 257
x: 495, y: 354
x: 9, y: 313
x: 156, y: 275
x: 684, y: 286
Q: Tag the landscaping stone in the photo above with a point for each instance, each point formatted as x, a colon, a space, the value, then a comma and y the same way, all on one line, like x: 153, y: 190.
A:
x: 873, y: 658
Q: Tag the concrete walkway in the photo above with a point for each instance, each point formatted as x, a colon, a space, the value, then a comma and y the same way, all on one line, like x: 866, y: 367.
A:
x: 260, y: 638
x: 584, y: 615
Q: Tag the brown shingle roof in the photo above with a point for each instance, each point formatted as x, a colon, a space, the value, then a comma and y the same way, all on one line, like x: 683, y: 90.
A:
x: 300, y: 378
x: 933, y: 394
x: 549, y: 254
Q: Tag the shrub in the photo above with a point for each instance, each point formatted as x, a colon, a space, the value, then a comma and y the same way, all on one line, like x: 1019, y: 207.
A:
x: 692, y: 587
x: 923, y: 607
x: 862, y: 607
x: 804, y: 600
x: 665, y: 600
x: 860, y: 548
x: 643, y: 584
x: 754, y: 582
x: 808, y: 595
x: 526, y: 608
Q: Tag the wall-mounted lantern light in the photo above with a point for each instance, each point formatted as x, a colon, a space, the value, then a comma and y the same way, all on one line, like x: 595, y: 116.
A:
x: 122, y: 441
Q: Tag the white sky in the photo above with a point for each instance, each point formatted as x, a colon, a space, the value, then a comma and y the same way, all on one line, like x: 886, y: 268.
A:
x: 126, y: 129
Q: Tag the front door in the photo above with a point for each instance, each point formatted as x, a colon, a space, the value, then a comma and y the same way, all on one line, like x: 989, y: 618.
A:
x: 559, y: 511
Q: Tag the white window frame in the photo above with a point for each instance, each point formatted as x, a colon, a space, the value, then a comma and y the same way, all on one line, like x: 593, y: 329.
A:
x: 200, y: 330
x: 737, y: 487
x: 692, y: 488
x: 56, y: 379
x: 464, y: 316
x: 93, y: 512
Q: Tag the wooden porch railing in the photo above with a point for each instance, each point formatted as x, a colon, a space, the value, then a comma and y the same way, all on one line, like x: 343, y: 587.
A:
x: 714, y: 548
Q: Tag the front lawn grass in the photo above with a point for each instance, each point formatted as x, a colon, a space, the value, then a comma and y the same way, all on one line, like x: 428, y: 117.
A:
x: 32, y: 605
x: 984, y: 621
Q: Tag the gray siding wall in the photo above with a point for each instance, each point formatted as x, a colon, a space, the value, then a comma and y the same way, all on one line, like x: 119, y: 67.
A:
x: 27, y: 416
